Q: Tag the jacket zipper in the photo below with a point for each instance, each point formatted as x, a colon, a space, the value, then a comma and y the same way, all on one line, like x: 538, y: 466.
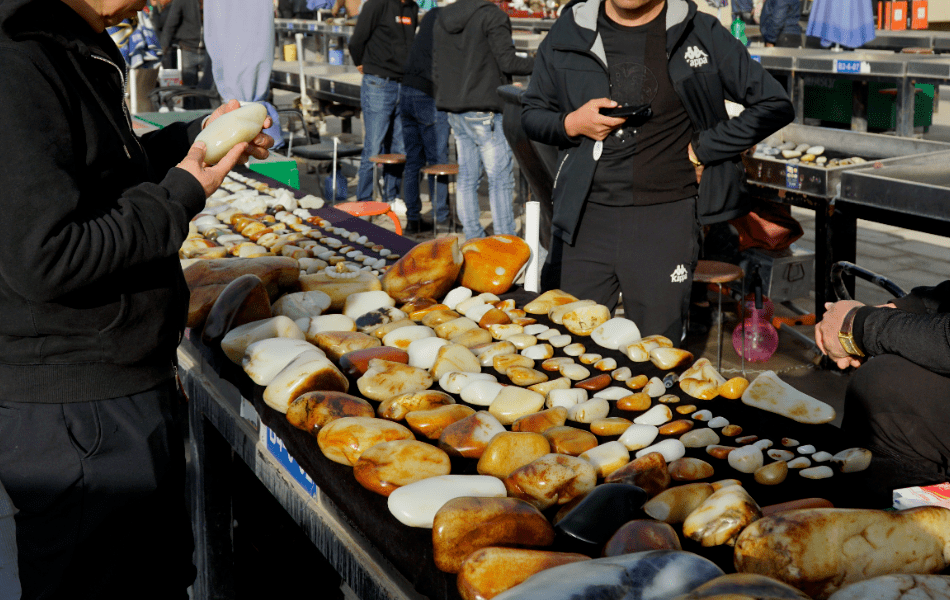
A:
x: 125, y: 109
x: 559, y: 167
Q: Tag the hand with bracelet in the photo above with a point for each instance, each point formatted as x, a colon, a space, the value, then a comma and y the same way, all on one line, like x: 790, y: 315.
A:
x: 834, y: 334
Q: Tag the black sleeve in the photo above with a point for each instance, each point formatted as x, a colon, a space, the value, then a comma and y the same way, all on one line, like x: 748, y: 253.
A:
x: 499, y: 40
x: 365, y: 24
x: 923, y: 339
x: 926, y: 299
x: 541, y: 115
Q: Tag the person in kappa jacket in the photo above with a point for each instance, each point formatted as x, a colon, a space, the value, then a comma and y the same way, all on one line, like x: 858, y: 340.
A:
x: 628, y: 205
x: 93, y: 304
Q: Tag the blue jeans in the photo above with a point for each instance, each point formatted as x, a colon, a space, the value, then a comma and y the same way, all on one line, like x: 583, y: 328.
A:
x: 480, y: 140
x: 382, y: 134
x: 425, y: 131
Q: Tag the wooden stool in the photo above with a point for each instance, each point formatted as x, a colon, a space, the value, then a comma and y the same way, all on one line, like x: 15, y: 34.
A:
x: 369, y: 209
x: 713, y: 271
x: 438, y: 171
x: 381, y: 160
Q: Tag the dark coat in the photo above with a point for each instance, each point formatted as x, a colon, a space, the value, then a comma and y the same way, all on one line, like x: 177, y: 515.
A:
x: 382, y: 37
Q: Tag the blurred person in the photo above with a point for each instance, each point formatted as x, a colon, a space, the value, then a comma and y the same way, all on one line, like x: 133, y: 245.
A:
x: 182, y: 27
x: 779, y: 23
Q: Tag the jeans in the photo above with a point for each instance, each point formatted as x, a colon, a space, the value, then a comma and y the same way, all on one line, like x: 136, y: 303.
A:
x: 425, y: 131
x: 480, y: 140
x: 382, y: 134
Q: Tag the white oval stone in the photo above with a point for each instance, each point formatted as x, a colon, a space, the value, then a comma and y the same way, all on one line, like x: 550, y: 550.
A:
x: 799, y: 463
x: 404, y: 336
x: 852, y: 460
x: 486, y: 355
x: 560, y: 341
x: 538, y: 351
x: 607, y: 458
x: 746, y: 459
x: 545, y: 334
x: 612, y: 393
x: 566, y: 398
x: 655, y: 387
x: 230, y: 129
x: 763, y: 444
x: 657, y: 415
x: 622, y: 374
x: 417, y: 503
x: 821, y: 456
x: 311, y: 327
x: 574, y: 372
x: 481, y: 392
x: 821, y: 472
x: 777, y: 454
x: 700, y: 438
x: 589, y: 411
x: 360, y: 303
x: 423, y: 351
x: 606, y: 364
x: 638, y: 436
x: 236, y: 341
x: 455, y: 296
x: 575, y: 349
x: 616, y: 332
x: 537, y: 328
x: 702, y: 415
x: 467, y: 304
x: 264, y: 359
x: 718, y: 422
x: 454, y: 382
x: 301, y: 305
x: 670, y: 449
x: 806, y: 449
x: 513, y: 402
x: 476, y: 312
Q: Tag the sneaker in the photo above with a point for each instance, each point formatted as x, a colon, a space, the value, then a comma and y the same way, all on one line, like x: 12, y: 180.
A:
x: 399, y: 207
x: 417, y: 227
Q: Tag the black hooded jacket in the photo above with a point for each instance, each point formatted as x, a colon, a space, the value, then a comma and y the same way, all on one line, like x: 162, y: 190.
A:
x: 92, y: 297
x: 707, y: 67
x: 383, y: 35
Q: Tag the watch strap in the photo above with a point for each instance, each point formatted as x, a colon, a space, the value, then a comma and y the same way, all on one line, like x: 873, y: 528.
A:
x: 846, y: 334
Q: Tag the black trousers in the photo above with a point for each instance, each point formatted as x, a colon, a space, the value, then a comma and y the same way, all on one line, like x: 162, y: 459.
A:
x: 100, y: 492
x: 902, y: 411
x: 646, y: 252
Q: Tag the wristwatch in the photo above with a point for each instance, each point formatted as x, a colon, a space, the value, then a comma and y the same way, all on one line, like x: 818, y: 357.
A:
x: 846, y: 336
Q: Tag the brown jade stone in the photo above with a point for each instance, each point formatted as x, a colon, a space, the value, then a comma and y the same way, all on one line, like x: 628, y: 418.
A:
x: 642, y: 535
x: 208, y: 278
x: 414, y: 304
x: 505, y: 305
x: 313, y: 410
x: 570, y: 440
x: 596, y: 383
x: 525, y: 376
x: 747, y: 439
x: 668, y: 399
x: 337, y: 343
x: 552, y: 479
x: 468, y: 437
x: 493, y: 317
x: 685, y: 409
x: 490, y: 571
x: 638, y: 401
x: 540, y: 422
x: 419, y: 313
x: 678, y: 427
x: 503, y: 362
x: 690, y: 469
x: 472, y: 338
x: 491, y: 263
x: 344, y: 440
x: 243, y: 300
x: 555, y: 364
x: 434, y: 318
x: 464, y: 525
x: 648, y: 472
x: 384, y: 467
x: 523, y: 321
x: 429, y: 269
x: 638, y: 382
x: 510, y: 450
x: 610, y: 426
x: 431, y: 423
x: 772, y: 473
x: 731, y: 430
x: 397, y: 407
x: 717, y: 451
x: 356, y: 362
x: 795, y: 505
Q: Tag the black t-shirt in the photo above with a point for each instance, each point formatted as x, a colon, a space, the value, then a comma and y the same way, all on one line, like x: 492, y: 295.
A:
x: 645, y: 163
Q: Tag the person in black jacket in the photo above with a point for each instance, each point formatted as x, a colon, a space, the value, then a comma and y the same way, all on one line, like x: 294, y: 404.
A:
x: 93, y: 304
x: 627, y: 211
x: 896, y: 402
x: 182, y: 28
x: 474, y: 55
x: 379, y: 47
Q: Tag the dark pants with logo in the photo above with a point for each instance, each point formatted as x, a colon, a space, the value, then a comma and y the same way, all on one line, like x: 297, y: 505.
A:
x: 645, y: 253
x: 100, y: 491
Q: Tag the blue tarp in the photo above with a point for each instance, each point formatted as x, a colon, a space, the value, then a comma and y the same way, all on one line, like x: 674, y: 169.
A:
x: 848, y: 23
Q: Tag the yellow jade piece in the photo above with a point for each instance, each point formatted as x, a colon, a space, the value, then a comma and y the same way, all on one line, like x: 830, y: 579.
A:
x: 733, y: 388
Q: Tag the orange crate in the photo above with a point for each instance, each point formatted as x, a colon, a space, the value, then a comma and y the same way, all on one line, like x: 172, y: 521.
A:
x: 898, y: 16
x: 918, y: 15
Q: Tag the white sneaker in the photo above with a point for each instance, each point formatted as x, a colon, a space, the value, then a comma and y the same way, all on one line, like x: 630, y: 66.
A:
x: 399, y: 207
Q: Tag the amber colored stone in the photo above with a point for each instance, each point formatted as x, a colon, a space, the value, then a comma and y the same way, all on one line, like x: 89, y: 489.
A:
x: 491, y: 263
x: 523, y: 321
x: 488, y: 572
x: 356, y: 362
x: 344, y: 440
x: 470, y: 436
x: 242, y: 301
x: 772, y: 509
x: 313, y: 410
x: 421, y: 312
x: 503, y: 362
x: 637, y: 401
x: 525, y: 376
x: 731, y: 430
x: 417, y: 304
x: 384, y: 467
x: 493, y: 317
x: 506, y: 305
x: 431, y: 423
x: 717, y: 451
x: 610, y: 426
x: 638, y: 382
x: 337, y: 343
x: 510, y: 450
x: 648, y: 472
x: 668, y: 399
x: 690, y: 469
x: 641, y: 535
x: 570, y: 440
x: 397, y: 407
x: 434, y: 318
x: 678, y: 427
x: 555, y: 364
x: 544, y: 388
x: 596, y: 383
x: 772, y: 474
x: 552, y: 479
x: 472, y: 338
x: 747, y: 439
x: 464, y: 525
x: 733, y: 388
x: 685, y: 409
x: 540, y: 422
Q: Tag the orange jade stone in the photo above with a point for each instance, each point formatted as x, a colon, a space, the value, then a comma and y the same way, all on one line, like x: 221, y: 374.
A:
x: 468, y: 437
x: 747, y: 439
x: 733, y: 388
x: 690, y: 469
x: 472, y: 338
x: 397, y: 407
x: 312, y: 410
x: 642, y: 535
x: 510, y: 450
x: 525, y: 376
x: 420, y: 313
x: 772, y: 509
x: 337, y: 343
x: 503, y: 362
x: 638, y: 401
x: 490, y: 571
x: 637, y: 382
x: 731, y: 430
x: 596, y: 383
x: 356, y: 362
x: 505, y: 305
x: 493, y: 317
x: 540, y: 422
x: 677, y: 427
x: 491, y: 264
x: 464, y: 525
x: 686, y: 409
x: 610, y: 426
x: 570, y: 440
x: 431, y: 423
x: 429, y: 269
x: 648, y: 472
x: 717, y: 451
x: 523, y: 321
x: 344, y: 440
x: 390, y: 465
x: 435, y: 318
x: 414, y: 304
x: 552, y: 479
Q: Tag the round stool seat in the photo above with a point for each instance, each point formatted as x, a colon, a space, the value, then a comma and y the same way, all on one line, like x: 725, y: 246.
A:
x: 388, y: 159
x: 713, y: 271
x: 446, y: 169
x: 370, y: 209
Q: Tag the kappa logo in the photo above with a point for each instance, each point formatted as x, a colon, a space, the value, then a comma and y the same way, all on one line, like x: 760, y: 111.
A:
x: 696, y: 57
x: 679, y: 274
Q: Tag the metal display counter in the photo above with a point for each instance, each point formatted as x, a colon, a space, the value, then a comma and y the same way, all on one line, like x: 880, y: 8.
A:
x: 325, y: 82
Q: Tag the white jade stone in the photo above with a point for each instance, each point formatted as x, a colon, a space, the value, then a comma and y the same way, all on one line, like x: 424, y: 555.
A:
x: 638, y: 436
x: 670, y: 449
x: 488, y: 297
x: 236, y: 341
x: 655, y: 387
x: 607, y: 458
x: 606, y: 364
x: 422, y: 352
x: 523, y: 340
x: 230, y: 129
x: 612, y: 393
x: 535, y: 329
x: 559, y: 341
x: 821, y: 456
x: 574, y: 372
x: 454, y: 382
x: 360, y: 303
x: 481, y: 392
x: 264, y: 359
x: 657, y: 415
x: 820, y: 472
x: 798, y: 463
x: 590, y: 358
x: 416, y: 504
x: 538, y: 351
x: 277, y: 393
x: 402, y: 337
x: 513, y: 402
x: 746, y: 459
x: 622, y: 374
x: 476, y: 313
x: 806, y: 449
x: 454, y: 357
x: 487, y: 355
x: 575, y: 349
x: 718, y: 422
x: 700, y: 438
x: 503, y: 331
x: 781, y: 455
x: 589, y: 411
x: 455, y: 296
x: 545, y: 334
x: 615, y: 332
x: 702, y: 415
x: 566, y: 398
x: 789, y: 442
x: 763, y: 444
x: 316, y: 325
x: 465, y: 305
x: 852, y: 460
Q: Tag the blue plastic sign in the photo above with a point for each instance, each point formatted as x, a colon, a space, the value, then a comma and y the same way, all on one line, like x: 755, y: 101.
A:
x: 847, y: 66
x: 757, y: 58
x: 276, y: 447
x: 792, y: 181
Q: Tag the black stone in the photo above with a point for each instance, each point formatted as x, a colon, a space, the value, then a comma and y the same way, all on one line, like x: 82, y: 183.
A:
x: 598, y: 516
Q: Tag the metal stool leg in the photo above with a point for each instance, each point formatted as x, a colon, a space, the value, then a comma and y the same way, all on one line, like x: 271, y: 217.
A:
x: 719, y: 316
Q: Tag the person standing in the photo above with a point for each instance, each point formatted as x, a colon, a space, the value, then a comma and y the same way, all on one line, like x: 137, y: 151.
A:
x: 779, y: 23
x: 93, y: 304
x: 379, y: 48
x: 473, y: 56
x: 627, y: 203
x: 182, y: 27
x: 425, y: 129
